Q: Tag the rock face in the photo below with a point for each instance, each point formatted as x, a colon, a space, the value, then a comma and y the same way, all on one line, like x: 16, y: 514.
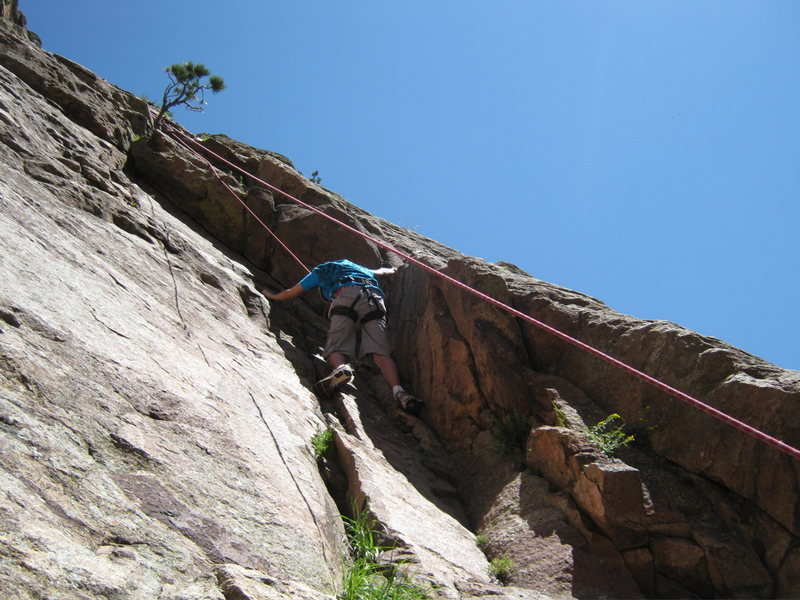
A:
x: 156, y: 412
x: 12, y: 18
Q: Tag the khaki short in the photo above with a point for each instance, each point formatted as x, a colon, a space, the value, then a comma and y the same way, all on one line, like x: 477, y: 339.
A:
x: 343, y: 331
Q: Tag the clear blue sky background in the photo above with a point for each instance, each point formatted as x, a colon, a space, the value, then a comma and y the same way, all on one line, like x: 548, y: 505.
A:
x: 644, y: 152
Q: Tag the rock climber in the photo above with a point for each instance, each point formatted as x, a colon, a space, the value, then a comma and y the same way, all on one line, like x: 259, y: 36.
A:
x: 356, y: 300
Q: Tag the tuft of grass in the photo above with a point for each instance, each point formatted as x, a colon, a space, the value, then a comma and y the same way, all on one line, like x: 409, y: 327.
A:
x: 510, y: 432
x: 482, y: 541
x: 322, y: 443
x: 502, y: 568
x: 561, y: 417
x: 365, y: 579
x: 362, y: 536
x: 360, y: 576
x: 608, y: 434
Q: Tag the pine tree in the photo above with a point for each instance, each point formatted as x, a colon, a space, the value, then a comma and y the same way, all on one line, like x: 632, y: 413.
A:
x: 187, y: 87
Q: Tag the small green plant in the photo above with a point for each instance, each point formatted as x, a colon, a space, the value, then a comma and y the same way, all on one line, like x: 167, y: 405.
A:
x: 510, y: 432
x: 316, y: 178
x: 322, y: 443
x: 608, y: 434
x: 502, y: 568
x: 482, y: 541
x: 187, y: 87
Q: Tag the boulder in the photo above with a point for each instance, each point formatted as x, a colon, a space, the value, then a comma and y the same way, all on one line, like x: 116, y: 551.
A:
x: 610, y: 493
x: 560, y: 454
x: 526, y: 523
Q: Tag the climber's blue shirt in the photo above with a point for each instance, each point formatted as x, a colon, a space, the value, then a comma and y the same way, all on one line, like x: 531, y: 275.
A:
x: 330, y: 276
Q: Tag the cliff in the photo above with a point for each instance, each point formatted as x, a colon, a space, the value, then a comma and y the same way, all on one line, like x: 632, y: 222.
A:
x: 156, y: 412
x: 12, y: 19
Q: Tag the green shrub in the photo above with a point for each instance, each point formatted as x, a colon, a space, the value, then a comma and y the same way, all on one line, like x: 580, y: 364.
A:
x: 609, y: 437
x: 502, y: 568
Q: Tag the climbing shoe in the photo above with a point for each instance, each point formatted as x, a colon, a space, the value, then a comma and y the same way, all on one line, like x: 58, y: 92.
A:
x: 408, y: 403
x: 339, y: 376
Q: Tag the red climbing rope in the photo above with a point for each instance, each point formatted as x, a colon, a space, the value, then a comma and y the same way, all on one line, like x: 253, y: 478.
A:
x: 744, y: 427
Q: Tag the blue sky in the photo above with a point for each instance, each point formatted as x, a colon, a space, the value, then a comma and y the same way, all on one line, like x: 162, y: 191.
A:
x: 643, y: 152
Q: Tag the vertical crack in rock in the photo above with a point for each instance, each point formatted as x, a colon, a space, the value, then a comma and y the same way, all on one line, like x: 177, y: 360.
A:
x: 311, y: 512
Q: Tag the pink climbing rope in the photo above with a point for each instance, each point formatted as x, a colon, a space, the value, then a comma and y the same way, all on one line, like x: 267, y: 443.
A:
x: 725, y: 418
x: 242, y: 202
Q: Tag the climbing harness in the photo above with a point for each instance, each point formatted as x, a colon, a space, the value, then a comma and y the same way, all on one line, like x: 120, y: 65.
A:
x: 366, y: 285
x: 367, y: 282
x: 378, y: 311
x: 197, y: 148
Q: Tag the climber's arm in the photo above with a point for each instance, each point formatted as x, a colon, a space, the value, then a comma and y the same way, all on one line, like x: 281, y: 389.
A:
x: 288, y: 294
